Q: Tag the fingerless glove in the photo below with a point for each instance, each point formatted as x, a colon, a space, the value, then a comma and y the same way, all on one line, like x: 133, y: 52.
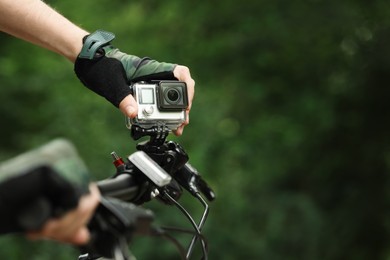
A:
x: 109, y: 72
x: 39, y: 185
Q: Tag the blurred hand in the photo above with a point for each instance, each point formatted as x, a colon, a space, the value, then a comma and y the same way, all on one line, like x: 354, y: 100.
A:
x: 72, y: 227
x: 129, y: 108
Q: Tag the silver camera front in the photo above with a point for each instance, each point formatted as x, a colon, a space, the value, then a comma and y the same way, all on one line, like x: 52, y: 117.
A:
x: 161, y: 103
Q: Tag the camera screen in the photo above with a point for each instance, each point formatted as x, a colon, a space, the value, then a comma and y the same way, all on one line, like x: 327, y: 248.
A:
x: 146, y: 96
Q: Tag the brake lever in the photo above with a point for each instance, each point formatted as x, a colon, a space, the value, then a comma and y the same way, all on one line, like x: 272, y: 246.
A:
x: 113, y: 221
x: 190, y: 179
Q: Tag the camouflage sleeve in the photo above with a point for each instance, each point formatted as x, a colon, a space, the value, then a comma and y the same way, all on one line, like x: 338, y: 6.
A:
x: 137, y: 68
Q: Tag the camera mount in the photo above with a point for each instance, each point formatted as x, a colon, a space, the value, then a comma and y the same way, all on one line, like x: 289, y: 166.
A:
x: 174, y: 160
x: 172, y: 157
x: 157, y: 134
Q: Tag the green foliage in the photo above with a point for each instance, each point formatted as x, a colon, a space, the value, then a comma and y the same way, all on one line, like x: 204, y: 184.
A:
x: 289, y: 122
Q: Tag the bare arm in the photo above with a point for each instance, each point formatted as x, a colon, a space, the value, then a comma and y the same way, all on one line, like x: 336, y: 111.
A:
x: 36, y: 22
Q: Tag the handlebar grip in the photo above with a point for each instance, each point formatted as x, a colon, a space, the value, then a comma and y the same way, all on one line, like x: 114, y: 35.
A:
x: 122, y: 187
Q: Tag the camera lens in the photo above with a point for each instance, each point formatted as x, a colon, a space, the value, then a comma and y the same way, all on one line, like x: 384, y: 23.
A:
x: 172, y: 95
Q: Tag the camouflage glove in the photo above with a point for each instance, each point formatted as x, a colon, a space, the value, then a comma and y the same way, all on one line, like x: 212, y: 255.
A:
x: 109, y: 72
x: 39, y: 185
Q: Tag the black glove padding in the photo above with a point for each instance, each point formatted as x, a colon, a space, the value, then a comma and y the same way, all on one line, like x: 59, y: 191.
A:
x: 28, y: 200
x: 109, y: 72
x: 40, y: 184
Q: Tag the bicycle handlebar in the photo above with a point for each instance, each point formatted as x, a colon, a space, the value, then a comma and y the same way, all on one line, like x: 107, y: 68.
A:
x: 122, y: 187
x: 115, y: 215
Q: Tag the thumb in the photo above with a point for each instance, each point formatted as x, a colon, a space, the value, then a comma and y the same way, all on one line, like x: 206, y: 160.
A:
x: 128, y: 106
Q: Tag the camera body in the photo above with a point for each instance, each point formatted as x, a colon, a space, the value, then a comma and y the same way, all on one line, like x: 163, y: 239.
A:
x: 160, y: 103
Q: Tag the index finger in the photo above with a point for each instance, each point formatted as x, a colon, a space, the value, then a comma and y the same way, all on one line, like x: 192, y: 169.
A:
x: 182, y: 73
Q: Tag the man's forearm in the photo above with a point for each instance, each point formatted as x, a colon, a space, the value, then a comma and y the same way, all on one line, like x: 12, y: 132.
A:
x: 36, y: 22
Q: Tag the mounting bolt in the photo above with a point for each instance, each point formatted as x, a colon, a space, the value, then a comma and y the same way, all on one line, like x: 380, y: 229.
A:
x: 154, y: 193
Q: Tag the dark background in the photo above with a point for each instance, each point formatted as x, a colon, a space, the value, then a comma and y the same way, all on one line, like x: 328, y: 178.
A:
x: 290, y: 121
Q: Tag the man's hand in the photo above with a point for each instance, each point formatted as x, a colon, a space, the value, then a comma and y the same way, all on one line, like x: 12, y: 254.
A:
x: 129, y: 108
x: 109, y: 72
x: 71, y: 227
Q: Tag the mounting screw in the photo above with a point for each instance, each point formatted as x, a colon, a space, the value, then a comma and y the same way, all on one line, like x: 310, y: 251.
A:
x: 154, y: 193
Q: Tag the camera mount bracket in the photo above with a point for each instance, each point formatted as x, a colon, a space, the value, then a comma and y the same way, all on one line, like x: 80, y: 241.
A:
x: 158, y: 133
x: 168, y: 154
x: 173, y: 159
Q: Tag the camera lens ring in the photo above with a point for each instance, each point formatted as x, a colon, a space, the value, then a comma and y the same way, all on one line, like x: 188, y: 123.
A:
x: 172, y: 95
